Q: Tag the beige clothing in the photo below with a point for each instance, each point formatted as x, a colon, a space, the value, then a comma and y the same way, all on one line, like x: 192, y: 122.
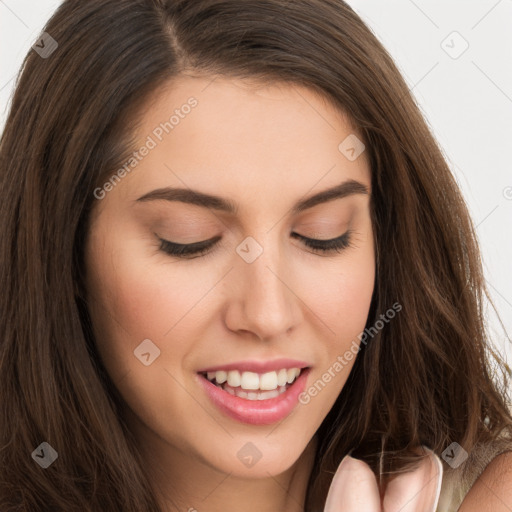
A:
x: 457, y: 482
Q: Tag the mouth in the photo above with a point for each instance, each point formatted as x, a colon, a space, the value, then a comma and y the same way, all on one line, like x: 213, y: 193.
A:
x: 252, y: 385
x: 255, y: 398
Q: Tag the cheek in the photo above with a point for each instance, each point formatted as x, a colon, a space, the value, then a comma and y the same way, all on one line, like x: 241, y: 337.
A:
x: 131, y: 300
x: 353, y: 291
x: 342, y: 292
x: 343, y: 300
x: 136, y: 300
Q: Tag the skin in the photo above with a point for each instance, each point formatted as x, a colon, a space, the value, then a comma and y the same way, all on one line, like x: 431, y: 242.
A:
x: 265, y: 148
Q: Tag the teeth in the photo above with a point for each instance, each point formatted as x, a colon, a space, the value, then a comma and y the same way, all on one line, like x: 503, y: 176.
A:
x: 292, y: 374
x: 251, y: 381
x: 252, y: 395
x: 282, y: 377
x: 269, y: 381
x: 234, y: 379
x: 241, y: 394
x: 220, y: 377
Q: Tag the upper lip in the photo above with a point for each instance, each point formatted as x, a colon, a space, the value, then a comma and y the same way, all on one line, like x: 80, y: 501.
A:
x: 257, y: 366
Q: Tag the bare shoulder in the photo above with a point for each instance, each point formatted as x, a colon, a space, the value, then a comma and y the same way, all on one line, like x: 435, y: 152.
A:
x: 492, y: 491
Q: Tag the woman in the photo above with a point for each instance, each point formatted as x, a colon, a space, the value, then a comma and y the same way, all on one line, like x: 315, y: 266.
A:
x: 235, y: 264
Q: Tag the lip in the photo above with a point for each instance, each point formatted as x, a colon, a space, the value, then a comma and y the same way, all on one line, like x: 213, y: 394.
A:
x: 257, y: 366
x: 256, y: 412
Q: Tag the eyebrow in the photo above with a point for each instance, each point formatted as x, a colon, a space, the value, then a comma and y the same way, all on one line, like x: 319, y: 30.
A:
x: 189, y: 196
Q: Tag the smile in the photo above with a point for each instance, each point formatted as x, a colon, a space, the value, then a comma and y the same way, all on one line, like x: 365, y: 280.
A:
x: 248, y: 384
x: 252, y: 397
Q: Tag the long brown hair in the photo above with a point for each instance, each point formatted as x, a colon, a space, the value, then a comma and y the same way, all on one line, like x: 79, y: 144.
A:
x: 425, y: 378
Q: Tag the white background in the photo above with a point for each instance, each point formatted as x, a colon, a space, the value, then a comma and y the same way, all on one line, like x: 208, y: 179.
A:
x: 467, y: 101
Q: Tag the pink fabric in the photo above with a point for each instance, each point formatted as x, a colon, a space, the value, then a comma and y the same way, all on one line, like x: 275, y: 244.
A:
x: 354, y: 488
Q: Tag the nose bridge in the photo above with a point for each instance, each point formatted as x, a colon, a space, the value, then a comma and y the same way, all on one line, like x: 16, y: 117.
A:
x: 263, y: 273
x: 267, y: 303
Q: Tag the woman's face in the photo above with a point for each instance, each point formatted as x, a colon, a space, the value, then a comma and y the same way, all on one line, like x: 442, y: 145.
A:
x: 260, y: 301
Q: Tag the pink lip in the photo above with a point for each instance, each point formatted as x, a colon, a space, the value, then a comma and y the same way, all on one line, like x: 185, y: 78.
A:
x: 256, y: 412
x: 257, y: 366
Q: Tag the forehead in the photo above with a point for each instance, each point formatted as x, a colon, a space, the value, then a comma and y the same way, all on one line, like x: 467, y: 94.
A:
x: 242, y: 138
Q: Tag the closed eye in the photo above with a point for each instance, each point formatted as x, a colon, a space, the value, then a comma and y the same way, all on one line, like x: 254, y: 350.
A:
x: 331, y: 245
x: 196, y: 249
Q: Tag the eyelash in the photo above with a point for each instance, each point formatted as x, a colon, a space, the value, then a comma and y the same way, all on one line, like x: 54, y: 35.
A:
x: 200, y: 248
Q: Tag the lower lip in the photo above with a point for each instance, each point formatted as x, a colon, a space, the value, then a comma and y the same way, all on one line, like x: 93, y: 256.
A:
x: 256, y: 412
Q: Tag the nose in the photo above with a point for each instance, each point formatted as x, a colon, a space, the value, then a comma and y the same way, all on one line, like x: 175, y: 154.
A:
x: 264, y: 298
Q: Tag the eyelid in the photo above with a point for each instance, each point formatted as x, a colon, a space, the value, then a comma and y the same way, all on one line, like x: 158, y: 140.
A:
x: 322, y: 240
x: 216, y: 238
x: 205, y: 247
x: 186, y: 251
x: 198, y: 244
